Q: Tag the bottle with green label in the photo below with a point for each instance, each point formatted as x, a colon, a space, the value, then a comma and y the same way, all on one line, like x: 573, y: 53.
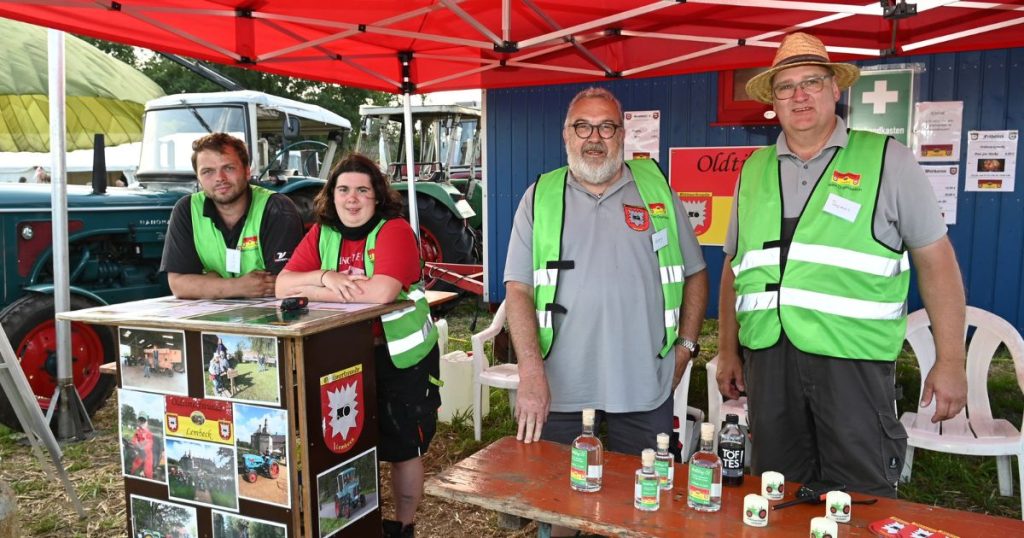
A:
x: 704, y: 484
x: 587, y: 457
x: 664, y: 463
x: 647, y: 489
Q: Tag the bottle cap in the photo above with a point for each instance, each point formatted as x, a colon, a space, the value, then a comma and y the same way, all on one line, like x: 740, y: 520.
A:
x: 662, y: 441
x: 588, y: 416
x: 732, y: 418
x: 647, y: 457
x: 707, y: 431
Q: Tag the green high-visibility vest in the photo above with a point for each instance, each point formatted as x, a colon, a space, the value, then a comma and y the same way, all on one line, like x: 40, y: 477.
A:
x: 548, y: 216
x: 210, y: 243
x: 410, y: 333
x: 843, y: 293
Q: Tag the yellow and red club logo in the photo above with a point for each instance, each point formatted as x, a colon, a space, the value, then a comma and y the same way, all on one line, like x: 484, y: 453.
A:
x: 249, y: 243
x: 846, y: 179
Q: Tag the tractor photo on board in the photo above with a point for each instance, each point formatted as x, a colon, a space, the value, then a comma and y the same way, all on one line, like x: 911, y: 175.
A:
x: 349, y: 497
x: 116, y: 234
x: 254, y: 465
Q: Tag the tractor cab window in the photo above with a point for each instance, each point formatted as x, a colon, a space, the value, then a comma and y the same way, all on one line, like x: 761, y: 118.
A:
x: 168, y: 135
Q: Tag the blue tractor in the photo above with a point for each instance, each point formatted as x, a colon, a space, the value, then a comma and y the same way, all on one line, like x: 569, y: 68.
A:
x: 349, y: 496
x: 258, y: 464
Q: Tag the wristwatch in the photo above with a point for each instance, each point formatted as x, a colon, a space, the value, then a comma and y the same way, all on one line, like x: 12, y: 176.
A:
x: 694, y: 347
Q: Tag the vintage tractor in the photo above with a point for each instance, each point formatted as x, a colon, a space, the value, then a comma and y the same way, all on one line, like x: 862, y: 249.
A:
x: 449, y: 190
x: 116, y: 235
x: 258, y: 464
x: 349, y: 496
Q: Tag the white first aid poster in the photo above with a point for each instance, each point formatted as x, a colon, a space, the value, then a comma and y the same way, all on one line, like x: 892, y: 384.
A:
x: 991, y: 161
x: 643, y: 134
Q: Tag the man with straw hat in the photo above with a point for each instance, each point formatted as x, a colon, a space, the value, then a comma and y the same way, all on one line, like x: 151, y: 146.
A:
x: 815, y: 282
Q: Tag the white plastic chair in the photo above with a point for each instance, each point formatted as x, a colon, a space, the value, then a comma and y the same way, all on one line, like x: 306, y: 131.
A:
x: 719, y: 407
x: 973, y: 431
x: 680, y: 410
x: 503, y: 376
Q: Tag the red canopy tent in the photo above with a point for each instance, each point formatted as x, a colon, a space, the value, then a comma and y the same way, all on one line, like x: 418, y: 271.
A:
x: 414, y: 46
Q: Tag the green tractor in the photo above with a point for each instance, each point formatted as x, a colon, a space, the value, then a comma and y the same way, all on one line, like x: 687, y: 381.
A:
x: 116, y: 234
x: 349, y: 497
x: 449, y: 189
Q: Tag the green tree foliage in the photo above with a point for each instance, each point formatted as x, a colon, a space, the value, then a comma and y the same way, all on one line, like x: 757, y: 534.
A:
x: 263, y: 346
x: 174, y: 78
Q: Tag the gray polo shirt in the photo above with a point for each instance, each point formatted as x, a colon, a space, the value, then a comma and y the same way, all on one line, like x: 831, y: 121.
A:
x: 605, y: 351
x: 906, y: 214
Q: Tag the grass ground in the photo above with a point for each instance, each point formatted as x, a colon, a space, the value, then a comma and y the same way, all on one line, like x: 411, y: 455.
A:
x: 961, y: 482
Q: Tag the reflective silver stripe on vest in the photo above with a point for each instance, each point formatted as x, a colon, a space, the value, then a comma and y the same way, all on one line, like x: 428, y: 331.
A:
x: 671, y: 274
x: 405, y: 344
x: 849, y: 259
x: 841, y: 306
x: 416, y: 294
x: 545, y: 277
x: 544, y: 319
x: 764, y: 300
x: 758, y: 258
x: 672, y: 317
x: 391, y: 316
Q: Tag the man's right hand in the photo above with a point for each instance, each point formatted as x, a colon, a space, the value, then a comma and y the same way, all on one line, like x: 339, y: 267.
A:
x: 730, y: 375
x: 533, y: 400
x: 256, y: 284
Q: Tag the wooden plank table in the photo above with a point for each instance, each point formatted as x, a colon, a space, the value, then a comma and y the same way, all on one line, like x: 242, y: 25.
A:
x: 532, y: 481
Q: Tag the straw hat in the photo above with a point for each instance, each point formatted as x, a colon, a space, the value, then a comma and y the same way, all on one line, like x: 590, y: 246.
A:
x: 800, y: 49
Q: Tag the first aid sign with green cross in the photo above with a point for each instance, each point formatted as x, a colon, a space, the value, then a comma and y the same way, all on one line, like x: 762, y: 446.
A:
x: 882, y: 102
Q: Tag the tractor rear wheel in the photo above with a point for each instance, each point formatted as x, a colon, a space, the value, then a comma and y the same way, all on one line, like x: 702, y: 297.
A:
x: 274, y: 470
x: 444, y: 237
x: 29, y: 324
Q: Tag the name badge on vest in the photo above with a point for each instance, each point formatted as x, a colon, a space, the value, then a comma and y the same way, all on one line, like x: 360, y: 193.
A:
x: 841, y: 207
x: 233, y: 260
x: 659, y: 240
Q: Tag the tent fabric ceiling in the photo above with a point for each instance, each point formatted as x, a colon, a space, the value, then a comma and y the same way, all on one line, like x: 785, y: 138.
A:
x: 459, y: 44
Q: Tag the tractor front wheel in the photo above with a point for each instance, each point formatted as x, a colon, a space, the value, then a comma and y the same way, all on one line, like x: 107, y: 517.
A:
x: 32, y: 331
x: 250, y: 476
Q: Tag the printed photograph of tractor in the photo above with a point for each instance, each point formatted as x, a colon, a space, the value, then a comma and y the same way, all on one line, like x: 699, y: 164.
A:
x: 254, y: 465
x: 349, y: 497
x: 116, y: 234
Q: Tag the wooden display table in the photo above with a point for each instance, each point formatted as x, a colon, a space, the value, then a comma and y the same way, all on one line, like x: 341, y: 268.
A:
x: 532, y: 481
x: 260, y: 421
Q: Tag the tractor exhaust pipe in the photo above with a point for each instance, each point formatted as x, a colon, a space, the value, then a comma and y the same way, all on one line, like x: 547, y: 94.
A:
x: 99, y: 165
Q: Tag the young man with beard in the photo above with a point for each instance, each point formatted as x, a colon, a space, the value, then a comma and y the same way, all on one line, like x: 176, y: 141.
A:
x: 605, y: 288
x: 813, y: 301
x: 231, y: 239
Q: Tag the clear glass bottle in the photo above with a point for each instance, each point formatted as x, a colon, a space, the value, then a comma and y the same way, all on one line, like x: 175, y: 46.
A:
x: 587, y: 463
x: 646, y: 490
x: 704, y: 488
x: 664, y: 463
x: 731, y: 446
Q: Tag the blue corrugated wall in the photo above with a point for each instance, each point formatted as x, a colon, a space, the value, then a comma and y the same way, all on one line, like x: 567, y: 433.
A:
x: 524, y: 140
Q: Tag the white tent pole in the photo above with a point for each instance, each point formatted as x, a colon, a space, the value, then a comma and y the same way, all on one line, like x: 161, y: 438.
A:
x: 410, y: 165
x: 59, y: 201
x: 65, y: 402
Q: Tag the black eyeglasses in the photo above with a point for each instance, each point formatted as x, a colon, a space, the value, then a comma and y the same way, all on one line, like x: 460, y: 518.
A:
x: 809, y: 85
x: 605, y: 130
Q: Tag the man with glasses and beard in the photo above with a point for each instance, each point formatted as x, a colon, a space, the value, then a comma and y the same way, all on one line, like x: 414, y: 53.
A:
x: 814, y: 288
x: 230, y: 239
x: 605, y: 288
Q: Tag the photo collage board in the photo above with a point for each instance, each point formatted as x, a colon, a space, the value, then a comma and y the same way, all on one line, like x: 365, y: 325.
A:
x: 204, y: 434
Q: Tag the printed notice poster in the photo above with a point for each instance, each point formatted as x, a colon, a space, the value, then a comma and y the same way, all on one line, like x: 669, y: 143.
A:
x: 945, y: 179
x: 991, y: 160
x: 937, y: 130
x: 643, y: 134
x: 705, y: 179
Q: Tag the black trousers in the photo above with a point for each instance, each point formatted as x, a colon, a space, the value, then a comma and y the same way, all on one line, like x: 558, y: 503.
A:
x: 814, y: 417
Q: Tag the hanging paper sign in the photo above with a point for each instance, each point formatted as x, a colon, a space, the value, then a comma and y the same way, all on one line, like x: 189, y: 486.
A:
x: 342, y: 408
x: 643, y: 134
x: 991, y: 161
x: 937, y: 130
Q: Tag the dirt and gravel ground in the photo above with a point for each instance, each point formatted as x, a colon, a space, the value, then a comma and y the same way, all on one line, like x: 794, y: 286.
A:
x: 43, y: 509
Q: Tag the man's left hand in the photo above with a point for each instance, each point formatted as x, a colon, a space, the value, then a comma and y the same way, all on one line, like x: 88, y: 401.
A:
x: 682, y: 358
x: 947, y: 383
